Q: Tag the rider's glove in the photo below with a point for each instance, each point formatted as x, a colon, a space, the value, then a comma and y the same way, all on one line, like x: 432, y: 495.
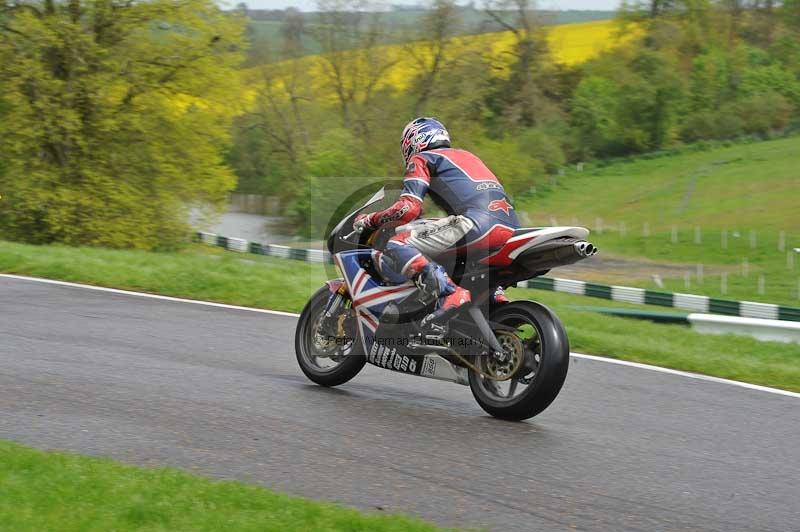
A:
x: 362, y: 223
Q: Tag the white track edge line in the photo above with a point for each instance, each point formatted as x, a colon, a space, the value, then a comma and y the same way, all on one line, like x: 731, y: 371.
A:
x: 697, y: 376
x: 147, y: 295
x: 638, y: 365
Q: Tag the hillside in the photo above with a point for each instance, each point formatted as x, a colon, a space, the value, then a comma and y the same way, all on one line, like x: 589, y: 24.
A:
x: 735, y: 201
x: 265, y: 27
x: 569, y: 43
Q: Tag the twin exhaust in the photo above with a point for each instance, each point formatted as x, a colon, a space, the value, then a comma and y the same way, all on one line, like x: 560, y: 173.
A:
x: 556, y: 253
x: 585, y: 249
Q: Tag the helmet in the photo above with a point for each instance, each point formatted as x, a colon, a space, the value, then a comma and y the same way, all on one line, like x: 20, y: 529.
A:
x: 423, y: 134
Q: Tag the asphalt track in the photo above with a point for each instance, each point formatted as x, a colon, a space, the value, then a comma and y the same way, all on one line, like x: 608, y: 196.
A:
x: 217, y: 391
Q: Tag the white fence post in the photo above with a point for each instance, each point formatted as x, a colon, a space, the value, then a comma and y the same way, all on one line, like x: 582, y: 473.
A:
x: 745, y: 268
x: 724, y: 283
x: 698, y: 235
x: 700, y: 273
x: 782, y: 241
x: 761, y: 283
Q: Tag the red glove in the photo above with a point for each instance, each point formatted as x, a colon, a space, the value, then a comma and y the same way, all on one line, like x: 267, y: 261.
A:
x: 362, y: 223
x: 402, y: 211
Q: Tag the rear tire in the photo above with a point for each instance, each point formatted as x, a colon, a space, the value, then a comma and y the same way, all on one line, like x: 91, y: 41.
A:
x: 304, y: 346
x: 550, y: 368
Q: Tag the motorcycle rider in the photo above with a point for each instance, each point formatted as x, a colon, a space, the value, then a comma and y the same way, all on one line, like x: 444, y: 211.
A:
x: 480, y: 217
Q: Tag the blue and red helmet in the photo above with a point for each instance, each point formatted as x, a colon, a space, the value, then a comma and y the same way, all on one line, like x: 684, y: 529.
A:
x: 423, y: 134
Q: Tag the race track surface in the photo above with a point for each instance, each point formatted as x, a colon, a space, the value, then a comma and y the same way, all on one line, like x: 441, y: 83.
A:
x: 218, y: 392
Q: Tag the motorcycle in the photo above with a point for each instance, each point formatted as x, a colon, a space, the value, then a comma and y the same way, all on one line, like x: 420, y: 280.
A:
x: 514, y: 356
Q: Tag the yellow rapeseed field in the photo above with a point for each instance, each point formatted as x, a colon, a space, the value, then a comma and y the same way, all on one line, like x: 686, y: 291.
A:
x: 569, y: 43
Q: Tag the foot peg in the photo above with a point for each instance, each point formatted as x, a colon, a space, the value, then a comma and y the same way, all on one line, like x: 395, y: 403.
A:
x: 431, y: 329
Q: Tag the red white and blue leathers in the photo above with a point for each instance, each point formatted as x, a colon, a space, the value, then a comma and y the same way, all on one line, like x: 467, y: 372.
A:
x: 460, y: 184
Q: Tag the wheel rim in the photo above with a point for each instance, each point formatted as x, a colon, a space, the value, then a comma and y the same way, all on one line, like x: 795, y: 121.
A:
x: 323, y: 354
x: 528, y: 338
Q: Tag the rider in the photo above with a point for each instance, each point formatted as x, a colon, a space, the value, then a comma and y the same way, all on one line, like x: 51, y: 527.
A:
x: 480, y: 216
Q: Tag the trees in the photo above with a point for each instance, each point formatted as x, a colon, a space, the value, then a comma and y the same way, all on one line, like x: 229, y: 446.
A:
x: 791, y: 13
x: 594, y: 116
x: 430, y: 51
x: 116, y: 115
x: 521, y: 100
x: 353, y: 64
x: 272, y: 136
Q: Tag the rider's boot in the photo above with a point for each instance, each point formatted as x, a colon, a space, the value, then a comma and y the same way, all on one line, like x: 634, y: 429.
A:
x: 434, y: 282
x: 499, y: 297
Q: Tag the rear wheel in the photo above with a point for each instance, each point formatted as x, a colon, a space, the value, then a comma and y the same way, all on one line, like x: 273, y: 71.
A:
x: 327, y: 357
x: 533, y: 334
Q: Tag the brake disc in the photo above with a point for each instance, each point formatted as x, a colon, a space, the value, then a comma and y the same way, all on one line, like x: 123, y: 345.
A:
x: 325, y: 342
x: 502, y: 370
x: 497, y: 369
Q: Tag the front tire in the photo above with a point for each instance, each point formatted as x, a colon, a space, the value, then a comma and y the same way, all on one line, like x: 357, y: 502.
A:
x: 545, y: 345
x: 346, y: 361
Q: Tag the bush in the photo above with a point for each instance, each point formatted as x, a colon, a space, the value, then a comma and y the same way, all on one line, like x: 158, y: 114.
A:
x: 545, y: 147
x: 722, y: 124
x: 762, y: 113
x: 517, y: 170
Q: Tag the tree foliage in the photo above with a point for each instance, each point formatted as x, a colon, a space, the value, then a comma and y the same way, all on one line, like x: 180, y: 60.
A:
x: 114, y: 116
x: 117, y: 115
x: 690, y: 70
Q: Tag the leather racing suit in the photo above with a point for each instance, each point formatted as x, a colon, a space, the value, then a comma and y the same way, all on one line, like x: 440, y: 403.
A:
x: 480, y: 217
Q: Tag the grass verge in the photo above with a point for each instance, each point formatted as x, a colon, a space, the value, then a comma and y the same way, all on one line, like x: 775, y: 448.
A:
x: 212, y: 274
x: 65, y: 492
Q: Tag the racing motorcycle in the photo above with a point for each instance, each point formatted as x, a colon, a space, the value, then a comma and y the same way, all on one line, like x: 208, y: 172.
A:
x: 514, y: 356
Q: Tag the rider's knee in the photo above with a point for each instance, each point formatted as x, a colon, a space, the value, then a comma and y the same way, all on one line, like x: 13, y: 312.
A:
x: 398, y: 240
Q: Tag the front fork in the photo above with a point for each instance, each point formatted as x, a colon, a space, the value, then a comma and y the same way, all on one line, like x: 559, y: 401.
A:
x: 329, y: 325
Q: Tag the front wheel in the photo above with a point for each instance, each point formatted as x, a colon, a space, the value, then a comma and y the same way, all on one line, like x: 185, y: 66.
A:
x: 328, y: 358
x: 533, y: 333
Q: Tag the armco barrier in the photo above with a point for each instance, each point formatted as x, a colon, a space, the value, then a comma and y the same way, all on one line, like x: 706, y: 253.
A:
x: 641, y: 296
x: 766, y: 330
x: 695, y: 303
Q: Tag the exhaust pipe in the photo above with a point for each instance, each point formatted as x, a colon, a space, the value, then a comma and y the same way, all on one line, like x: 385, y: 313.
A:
x: 560, y: 254
x: 585, y: 249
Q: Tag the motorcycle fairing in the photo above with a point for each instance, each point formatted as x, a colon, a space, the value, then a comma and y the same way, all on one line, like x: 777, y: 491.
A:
x: 370, y: 299
x: 529, y: 238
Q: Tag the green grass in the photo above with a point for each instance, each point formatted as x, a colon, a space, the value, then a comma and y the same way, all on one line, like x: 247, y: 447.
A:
x: 64, y: 492
x: 200, y: 272
x: 740, y: 189
x: 212, y: 274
